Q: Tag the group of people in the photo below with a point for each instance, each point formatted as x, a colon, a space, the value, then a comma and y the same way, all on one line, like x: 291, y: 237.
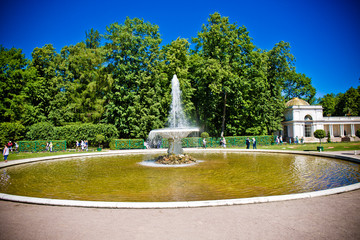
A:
x: 297, y: 141
x: 279, y: 140
x: 247, y: 142
x: 223, y: 143
x: 49, y: 146
x: 83, y: 145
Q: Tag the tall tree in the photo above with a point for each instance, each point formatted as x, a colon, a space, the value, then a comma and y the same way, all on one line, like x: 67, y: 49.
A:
x: 12, y: 69
x: 132, y: 53
x: 175, y: 60
x: 298, y: 85
x: 46, y: 92
x: 328, y: 102
x: 93, y: 39
x: 225, y: 48
x: 87, y: 82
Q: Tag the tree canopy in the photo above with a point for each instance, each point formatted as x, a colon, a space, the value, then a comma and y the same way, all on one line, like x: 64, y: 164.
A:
x: 122, y: 77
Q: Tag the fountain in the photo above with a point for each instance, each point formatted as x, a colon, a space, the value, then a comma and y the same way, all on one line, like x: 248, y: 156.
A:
x: 178, y: 125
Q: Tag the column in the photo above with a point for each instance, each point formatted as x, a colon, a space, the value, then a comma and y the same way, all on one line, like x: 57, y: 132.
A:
x: 342, y: 130
x: 352, y: 130
x: 331, y: 129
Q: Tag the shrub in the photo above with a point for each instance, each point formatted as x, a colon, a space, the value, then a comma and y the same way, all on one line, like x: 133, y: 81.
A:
x: 11, y: 131
x: 328, y: 137
x: 320, y: 134
x: 41, y: 131
x: 86, y: 131
x: 358, y: 133
x: 99, y: 139
x: 204, y: 135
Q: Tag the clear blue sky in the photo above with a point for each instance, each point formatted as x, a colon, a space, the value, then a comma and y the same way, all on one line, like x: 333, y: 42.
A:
x: 324, y: 34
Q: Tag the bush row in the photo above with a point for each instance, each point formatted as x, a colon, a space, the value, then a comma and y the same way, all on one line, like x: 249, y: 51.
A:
x: 190, y: 142
x: 70, y: 133
x: 40, y: 146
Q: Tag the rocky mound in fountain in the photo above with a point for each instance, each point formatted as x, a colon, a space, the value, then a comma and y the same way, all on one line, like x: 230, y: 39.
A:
x: 175, y: 159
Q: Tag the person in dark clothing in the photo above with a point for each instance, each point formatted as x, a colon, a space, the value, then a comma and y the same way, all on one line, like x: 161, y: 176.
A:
x: 247, y: 143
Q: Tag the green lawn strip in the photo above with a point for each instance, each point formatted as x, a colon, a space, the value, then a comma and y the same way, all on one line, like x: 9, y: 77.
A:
x: 342, y: 146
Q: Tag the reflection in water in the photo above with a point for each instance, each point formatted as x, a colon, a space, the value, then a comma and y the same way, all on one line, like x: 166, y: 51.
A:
x: 4, y: 180
x: 216, y: 176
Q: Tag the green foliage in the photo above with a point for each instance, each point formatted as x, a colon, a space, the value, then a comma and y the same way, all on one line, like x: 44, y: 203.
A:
x: 40, y: 146
x: 328, y: 137
x: 204, y: 135
x: 87, y: 131
x: 11, y: 131
x: 299, y: 85
x: 41, y: 131
x: 134, y: 100
x: 342, y: 104
x: 358, y: 133
x: 72, y: 133
x: 99, y: 139
x: 320, y: 134
x: 229, y: 86
x: 12, y: 80
x: 117, y: 144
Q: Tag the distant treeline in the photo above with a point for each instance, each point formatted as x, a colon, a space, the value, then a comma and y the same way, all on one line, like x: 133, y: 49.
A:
x: 122, y: 78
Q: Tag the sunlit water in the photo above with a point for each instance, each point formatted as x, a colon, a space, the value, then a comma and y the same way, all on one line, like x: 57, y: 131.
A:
x: 217, y: 176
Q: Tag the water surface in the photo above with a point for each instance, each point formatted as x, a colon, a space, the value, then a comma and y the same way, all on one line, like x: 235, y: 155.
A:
x: 218, y: 176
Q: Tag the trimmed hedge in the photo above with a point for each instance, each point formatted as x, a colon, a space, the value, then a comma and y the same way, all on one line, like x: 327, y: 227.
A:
x: 40, y: 146
x: 191, y: 142
x: 117, y: 144
x: 73, y: 133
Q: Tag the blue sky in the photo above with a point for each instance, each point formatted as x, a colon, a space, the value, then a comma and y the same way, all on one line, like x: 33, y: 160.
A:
x: 324, y: 34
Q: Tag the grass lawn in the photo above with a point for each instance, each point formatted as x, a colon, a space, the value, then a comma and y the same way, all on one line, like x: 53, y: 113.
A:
x: 24, y: 155
x: 343, y: 146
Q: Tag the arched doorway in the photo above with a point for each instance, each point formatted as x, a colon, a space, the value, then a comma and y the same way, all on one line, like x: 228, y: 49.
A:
x: 308, y: 126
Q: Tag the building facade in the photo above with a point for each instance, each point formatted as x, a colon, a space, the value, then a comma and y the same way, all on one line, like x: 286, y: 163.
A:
x: 302, y: 119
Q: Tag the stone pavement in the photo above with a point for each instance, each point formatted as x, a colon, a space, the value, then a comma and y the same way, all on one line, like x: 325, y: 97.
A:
x: 329, y: 217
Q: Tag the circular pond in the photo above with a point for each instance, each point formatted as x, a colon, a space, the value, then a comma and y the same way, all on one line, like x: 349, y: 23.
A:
x: 219, y: 175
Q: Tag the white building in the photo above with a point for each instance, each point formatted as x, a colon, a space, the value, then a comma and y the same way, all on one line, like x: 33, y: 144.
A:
x: 302, y: 119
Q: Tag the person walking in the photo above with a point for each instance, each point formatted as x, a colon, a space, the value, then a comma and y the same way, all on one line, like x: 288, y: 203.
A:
x: 247, y: 143
x: 51, y: 146
x: 204, y: 143
x: 224, y: 142
x: 254, y: 143
x: 6, y: 152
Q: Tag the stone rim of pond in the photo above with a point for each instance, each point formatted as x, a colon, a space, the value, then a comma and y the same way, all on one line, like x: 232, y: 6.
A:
x: 182, y: 204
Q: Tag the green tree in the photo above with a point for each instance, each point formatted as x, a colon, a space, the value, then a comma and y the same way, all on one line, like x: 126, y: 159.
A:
x: 86, y: 82
x: 298, y: 85
x: 12, y: 81
x: 320, y: 134
x: 224, y: 48
x: 328, y: 102
x: 41, y: 131
x: 132, y: 53
x: 11, y: 131
x: 175, y: 60
x: 93, y: 39
x: 46, y: 91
